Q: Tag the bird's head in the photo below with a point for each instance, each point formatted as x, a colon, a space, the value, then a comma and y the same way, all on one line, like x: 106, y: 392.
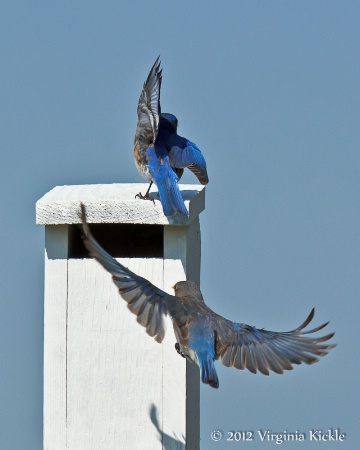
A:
x: 185, y: 289
x: 169, y: 120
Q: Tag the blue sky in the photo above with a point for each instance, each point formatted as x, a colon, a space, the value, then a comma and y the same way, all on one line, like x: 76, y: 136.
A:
x: 270, y: 93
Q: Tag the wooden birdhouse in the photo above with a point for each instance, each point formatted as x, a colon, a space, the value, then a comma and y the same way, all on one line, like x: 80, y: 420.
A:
x: 107, y: 384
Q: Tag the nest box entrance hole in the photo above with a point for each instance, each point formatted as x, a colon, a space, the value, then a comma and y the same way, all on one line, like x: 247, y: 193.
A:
x: 120, y: 240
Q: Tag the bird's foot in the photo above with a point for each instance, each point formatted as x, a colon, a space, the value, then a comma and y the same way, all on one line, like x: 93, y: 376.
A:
x: 177, y: 348
x: 144, y: 197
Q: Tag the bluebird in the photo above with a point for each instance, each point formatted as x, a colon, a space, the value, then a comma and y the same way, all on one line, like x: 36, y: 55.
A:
x: 160, y: 153
x: 204, y: 336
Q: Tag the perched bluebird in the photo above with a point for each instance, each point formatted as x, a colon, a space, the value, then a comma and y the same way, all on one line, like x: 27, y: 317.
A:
x: 160, y: 153
x: 202, y: 335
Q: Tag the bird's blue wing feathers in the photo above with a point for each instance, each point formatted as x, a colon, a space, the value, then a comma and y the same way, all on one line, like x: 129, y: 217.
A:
x: 149, y: 303
x: 190, y: 157
x: 166, y: 181
x: 246, y: 347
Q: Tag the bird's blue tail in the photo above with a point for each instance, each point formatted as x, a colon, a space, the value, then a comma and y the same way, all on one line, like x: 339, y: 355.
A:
x: 170, y: 195
x: 166, y: 181
x: 207, y: 369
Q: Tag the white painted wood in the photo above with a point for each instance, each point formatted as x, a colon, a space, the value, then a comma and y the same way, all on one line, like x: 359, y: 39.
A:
x: 114, y: 368
x: 107, y: 384
x: 55, y: 316
x: 113, y: 203
x: 182, y: 247
x: 184, y: 243
x: 174, y: 371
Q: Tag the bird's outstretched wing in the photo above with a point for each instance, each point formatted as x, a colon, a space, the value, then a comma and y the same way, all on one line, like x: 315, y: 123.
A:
x: 246, y: 347
x: 192, y: 158
x: 149, y: 104
x: 145, y: 300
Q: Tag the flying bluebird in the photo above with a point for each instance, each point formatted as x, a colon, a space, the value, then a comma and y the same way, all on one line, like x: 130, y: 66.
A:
x: 204, y: 336
x: 160, y: 153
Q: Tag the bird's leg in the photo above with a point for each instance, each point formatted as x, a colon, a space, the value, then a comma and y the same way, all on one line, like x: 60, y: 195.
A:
x: 177, y: 348
x: 146, y: 196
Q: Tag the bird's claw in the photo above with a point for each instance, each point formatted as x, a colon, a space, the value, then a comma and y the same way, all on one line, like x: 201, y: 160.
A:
x: 177, y: 348
x: 144, y: 197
